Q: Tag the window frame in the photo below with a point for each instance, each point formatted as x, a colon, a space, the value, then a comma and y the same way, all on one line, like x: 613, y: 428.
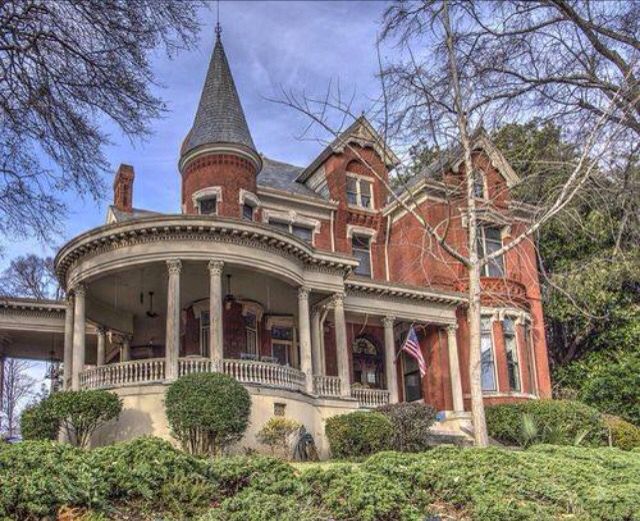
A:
x: 492, y: 350
x: 358, y: 179
x: 404, y: 357
x: 369, y: 241
x: 514, y: 368
x: 290, y: 225
x: 210, y: 192
x: 204, y: 334
x: 482, y: 251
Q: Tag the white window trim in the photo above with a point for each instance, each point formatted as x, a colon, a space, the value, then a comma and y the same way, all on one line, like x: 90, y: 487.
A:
x: 485, y: 186
x: 492, y: 320
x: 516, y: 338
x: 246, y: 197
x: 361, y: 230
x: 485, y: 267
x: 205, y: 193
x: 371, y: 241
x: 362, y: 178
x: 293, y: 218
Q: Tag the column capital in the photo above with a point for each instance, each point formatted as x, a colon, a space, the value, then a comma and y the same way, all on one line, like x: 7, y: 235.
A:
x: 68, y: 300
x: 102, y: 331
x: 338, y: 299
x: 451, y: 328
x: 388, y: 321
x: 303, y: 293
x: 174, y: 266
x: 79, y: 290
x: 215, y: 267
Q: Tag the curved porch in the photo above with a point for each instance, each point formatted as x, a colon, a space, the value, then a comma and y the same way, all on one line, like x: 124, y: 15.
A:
x: 248, y: 372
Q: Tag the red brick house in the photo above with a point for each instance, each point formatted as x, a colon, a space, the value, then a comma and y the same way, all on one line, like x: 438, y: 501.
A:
x: 301, y: 282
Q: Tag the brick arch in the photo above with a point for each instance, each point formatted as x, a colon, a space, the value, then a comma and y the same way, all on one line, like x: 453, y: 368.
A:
x: 357, y: 167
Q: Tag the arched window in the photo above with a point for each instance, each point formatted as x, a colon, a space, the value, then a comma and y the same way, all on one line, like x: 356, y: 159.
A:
x: 368, y: 363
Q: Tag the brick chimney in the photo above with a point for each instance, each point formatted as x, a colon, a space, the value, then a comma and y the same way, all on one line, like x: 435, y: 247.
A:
x: 123, y: 188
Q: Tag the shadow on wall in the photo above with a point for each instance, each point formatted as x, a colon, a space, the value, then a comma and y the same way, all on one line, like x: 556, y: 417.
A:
x: 130, y: 424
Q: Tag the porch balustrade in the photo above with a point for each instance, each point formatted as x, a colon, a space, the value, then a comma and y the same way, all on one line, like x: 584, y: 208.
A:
x: 326, y: 386
x: 369, y: 398
x: 152, y: 370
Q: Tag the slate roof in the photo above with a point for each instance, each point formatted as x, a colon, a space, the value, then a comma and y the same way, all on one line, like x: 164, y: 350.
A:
x: 219, y: 118
x: 282, y: 176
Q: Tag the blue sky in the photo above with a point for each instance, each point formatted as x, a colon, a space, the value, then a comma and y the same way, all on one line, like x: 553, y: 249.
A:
x: 294, y: 45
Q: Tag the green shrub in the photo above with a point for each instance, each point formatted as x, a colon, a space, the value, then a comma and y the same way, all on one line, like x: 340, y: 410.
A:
x: 275, y: 433
x: 39, y: 422
x: 411, y: 423
x: 622, y: 434
x: 80, y: 413
x: 558, y: 422
x: 358, y: 434
x: 207, y: 412
x: 236, y: 473
x: 614, y: 387
x: 140, y: 468
x: 38, y: 477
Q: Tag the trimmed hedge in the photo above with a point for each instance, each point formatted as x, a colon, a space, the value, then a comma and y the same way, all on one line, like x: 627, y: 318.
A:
x: 411, y: 423
x: 358, y: 434
x: 559, y: 422
x: 148, y: 478
x: 207, y: 412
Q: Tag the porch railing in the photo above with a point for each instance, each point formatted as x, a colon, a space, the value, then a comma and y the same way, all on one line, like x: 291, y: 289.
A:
x: 150, y: 370
x: 370, y: 397
x: 328, y: 386
x: 265, y: 373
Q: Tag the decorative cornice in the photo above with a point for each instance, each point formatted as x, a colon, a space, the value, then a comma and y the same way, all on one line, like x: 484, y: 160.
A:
x: 195, y: 227
x: 370, y: 288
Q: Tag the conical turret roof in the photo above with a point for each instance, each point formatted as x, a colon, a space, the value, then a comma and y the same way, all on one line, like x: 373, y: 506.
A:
x: 219, y: 118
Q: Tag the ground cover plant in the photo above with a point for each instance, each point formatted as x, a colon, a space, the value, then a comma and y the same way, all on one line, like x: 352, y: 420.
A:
x: 148, y: 478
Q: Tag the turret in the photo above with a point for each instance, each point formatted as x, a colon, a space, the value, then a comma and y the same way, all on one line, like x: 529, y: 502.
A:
x: 218, y: 159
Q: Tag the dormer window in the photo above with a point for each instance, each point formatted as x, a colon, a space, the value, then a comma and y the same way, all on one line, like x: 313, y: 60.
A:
x: 206, y: 200
x: 299, y: 230
x: 359, y: 191
x: 208, y: 205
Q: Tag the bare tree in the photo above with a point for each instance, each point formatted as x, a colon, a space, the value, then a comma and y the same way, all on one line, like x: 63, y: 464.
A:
x: 433, y: 98
x: 17, y: 388
x: 66, y: 67
x: 30, y: 276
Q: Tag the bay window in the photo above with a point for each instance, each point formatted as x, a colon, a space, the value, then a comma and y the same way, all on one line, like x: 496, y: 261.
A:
x: 511, y: 349
x: 487, y: 363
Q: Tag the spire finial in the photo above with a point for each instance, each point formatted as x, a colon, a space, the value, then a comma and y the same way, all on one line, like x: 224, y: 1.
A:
x: 218, y: 26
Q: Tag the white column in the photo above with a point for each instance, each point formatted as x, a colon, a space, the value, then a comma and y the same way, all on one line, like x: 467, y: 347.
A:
x: 342, y: 355
x: 100, y: 352
x: 316, y: 343
x: 454, y: 369
x: 172, y: 340
x: 305, y: 337
x: 67, y: 359
x: 216, y: 331
x: 79, y: 327
x: 125, y: 350
x: 390, y: 359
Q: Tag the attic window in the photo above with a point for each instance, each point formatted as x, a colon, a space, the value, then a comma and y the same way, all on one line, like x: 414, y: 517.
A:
x: 479, y: 190
x: 299, y: 230
x: 359, y: 191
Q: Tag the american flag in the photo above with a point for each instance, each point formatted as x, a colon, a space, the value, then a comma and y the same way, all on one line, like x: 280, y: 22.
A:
x: 411, y: 346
